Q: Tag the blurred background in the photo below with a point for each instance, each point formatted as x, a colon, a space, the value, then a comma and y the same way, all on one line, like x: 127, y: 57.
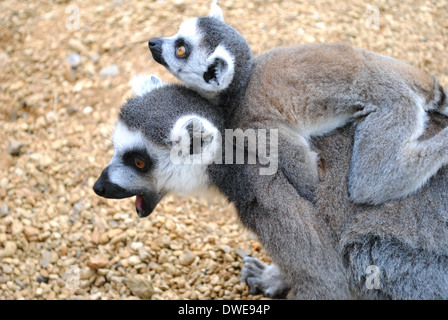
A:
x: 65, y: 68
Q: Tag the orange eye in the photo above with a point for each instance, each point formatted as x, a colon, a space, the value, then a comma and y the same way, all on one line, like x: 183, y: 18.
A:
x: 181, y: 51
x: 139, y: 163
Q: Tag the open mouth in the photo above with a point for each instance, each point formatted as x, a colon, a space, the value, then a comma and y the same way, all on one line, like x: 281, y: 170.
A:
x: 139, y: 206
x: 146, y: 199
x: 145, y: 204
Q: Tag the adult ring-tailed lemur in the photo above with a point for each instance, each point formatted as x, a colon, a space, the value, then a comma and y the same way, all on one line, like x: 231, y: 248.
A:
x: 327, y: 249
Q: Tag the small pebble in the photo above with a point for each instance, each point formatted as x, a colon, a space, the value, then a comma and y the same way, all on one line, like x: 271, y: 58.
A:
x: 110, y: 71
x: 4, y: 210
x: 187, y: 259
x: 46, y: 258
x: 10, y: 248
x: 134, y: 260
x: 98, y: 262
x: 74, y: 60
x: 15, y: 147
x: 87, y: 110
x: 41, y: 279
x: 241, y: 252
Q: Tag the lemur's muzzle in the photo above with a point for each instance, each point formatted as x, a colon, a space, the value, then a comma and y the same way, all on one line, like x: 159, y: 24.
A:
x: 106, y: 189
x: 155, y: 45
x: 145, y: 201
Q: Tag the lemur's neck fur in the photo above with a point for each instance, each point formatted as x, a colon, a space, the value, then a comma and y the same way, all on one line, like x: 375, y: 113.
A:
x: 229, y: 178
x: 233, y: 181
x: 231, y: 98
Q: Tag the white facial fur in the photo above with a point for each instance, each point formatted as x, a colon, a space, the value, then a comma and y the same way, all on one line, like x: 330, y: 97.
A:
x: 191, y: 35
x: 191, y: 70
x: 120, y: 174
x: 182, y: 178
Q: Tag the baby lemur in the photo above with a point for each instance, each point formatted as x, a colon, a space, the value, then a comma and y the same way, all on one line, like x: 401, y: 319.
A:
x: 310, y: 90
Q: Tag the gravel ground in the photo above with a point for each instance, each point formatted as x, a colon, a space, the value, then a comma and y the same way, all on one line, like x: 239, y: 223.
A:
x: 64, y: 71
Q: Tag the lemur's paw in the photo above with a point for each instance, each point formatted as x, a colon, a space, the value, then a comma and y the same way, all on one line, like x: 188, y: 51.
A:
x: 263, y: 279
x: 252, y: 274
x: 144, y: 83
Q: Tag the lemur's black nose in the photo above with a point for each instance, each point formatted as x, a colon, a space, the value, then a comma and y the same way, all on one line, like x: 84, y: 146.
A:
x: 107, y: 189
x: 155, y: 43
x: 100, y: 186
x: 99, y: 189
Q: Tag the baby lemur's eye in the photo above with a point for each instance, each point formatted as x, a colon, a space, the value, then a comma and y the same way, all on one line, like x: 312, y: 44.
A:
x: 139, y: 163
x: 181, y: 51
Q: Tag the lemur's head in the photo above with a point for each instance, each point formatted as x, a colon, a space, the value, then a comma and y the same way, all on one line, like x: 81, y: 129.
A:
x: 206, y: 54
x: 164, y: 141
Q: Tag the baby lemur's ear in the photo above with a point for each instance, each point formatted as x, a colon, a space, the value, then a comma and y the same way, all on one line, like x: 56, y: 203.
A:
x: 215, y: 11
x: 220, y: 68
x: 144, y: 83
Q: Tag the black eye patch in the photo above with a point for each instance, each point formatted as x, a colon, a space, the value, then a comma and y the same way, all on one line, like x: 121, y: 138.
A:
x: 138, y: 160
x: 179, y: 43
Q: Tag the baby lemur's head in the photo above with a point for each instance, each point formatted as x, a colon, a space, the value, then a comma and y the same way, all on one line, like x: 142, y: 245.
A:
x: 207, y: 55
x: 165, y: 139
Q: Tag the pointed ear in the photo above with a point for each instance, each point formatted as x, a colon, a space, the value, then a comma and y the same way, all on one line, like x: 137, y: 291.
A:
x: 193, y: 135
x: 144, y: 83
x: 220, y: 69
x: 198, y: 135
x: 215, y: 11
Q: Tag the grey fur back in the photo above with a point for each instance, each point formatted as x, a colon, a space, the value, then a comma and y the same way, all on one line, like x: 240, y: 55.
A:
x: 419, y: 220
x: 324, y: 251
x: 407, y: 238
